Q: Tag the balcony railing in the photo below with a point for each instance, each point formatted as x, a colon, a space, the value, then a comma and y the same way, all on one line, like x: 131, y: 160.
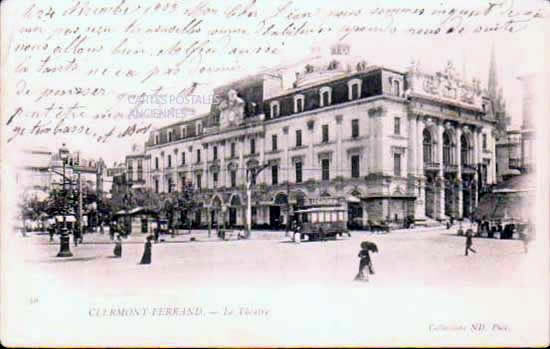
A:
x: 450, y: 167
x: 468, y: 168
x: 431, y: 165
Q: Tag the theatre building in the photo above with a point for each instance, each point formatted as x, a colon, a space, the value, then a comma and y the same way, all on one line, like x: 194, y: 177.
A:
x: 384, y: 142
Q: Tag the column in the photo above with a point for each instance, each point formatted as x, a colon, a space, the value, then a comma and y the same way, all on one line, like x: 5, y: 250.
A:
x: 223, y: 169
x: 286, y: 162
x: 440, y: 207
x: 475, y: 161
x: 459, y: 171
x: 412, y: 142
x: 339, y: 152
x: 312, y: 168
x: 420, y: 211
x: 242, y: 167
x: 262, y: 175
x: 370, y: 152
x: 420, y: 146
x: 206, y: 175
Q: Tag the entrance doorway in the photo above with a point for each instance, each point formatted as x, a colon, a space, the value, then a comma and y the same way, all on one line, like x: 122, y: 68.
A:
x: 232, y: 216
x: 275, y: 216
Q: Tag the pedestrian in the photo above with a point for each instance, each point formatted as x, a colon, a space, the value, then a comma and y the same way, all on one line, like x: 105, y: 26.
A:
x: 51, y: 231
x: 525, y: 238
x: 112, y: 230
x: 157, y: 233
x: 321, y: 233
x: 146, y: 258
x: 118, y: 247
x: 469, y: 242
x: 75, y: 235
x: 365, y: 260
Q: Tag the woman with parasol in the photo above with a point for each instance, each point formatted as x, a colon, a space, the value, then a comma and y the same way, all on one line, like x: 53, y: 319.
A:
x: 365, y: 261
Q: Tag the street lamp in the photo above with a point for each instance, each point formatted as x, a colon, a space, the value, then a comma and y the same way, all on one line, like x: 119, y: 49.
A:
x: 64, y: 241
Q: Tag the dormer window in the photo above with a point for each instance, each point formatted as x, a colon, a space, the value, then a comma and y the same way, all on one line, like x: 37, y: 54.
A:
x: 396, y: 88
x: 275, y: 110
x: 170, y: 136
x: 298, y: 103
x: 183, y: 131
x: 354, y: 89
x: 325, y: 96
x: 157, y: 138
x: 199, y: 128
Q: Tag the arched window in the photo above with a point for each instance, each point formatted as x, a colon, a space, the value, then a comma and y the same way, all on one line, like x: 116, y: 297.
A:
x: 464, y: 150
x: 427, y: 142
x: 446, y: 149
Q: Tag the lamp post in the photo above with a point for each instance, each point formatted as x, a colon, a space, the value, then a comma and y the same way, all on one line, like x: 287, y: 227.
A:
x: 64, y: 241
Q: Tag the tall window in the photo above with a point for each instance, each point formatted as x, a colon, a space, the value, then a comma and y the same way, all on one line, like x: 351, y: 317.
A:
x: 157, y: 138
x: 253, y: 176
x: 233, y: 152
x: 274, y: 109
x: 274, y: 174
x: 183, y: 183
x: 215, y: 178
x: 325, y: 134
x: 215, y: 151
x: 274, y: 142
x: 198, y: 155
x: 427, y: 143
x: 130, y: 169
x: 446, y: 149
x: 233, y: 179
x: 397, y: 126
x: 355, y: 169
x: 484, y: 139
x: 170, y: 185
x: 355, y: 128
x: 170, y: 135
x: 298, y: 166
x: 464, y: 149
x: 169, y: 161
x: 156, y: 186
x: 140, y: 170
x: 183, y: 157
x: 156, y: 163
x: 298, y: 138
x: 396, y: 89
x: 252, y: 146
x: 397, y: 164
x: 199, y: 180
x: 325, y: 169
x: 299, y: 105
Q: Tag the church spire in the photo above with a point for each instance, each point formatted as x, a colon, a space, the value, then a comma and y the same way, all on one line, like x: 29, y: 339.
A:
x: 492, y: 82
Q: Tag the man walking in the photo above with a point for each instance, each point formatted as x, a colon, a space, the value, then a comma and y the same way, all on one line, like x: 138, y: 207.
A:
x: 469, y: 242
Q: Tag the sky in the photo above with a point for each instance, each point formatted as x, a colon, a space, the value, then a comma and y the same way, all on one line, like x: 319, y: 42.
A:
x: 516, y: 54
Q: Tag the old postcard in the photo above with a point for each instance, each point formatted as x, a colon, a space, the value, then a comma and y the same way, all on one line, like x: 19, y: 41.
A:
x: 280, y: 173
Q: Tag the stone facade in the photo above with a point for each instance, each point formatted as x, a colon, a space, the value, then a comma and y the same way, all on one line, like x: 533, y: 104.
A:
x: 392, y: 144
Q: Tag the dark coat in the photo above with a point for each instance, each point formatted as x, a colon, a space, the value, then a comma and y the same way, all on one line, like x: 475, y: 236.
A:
x: 146, y: 259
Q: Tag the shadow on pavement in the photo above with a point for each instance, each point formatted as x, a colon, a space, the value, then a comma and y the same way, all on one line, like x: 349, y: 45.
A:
x: 68, y: 259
